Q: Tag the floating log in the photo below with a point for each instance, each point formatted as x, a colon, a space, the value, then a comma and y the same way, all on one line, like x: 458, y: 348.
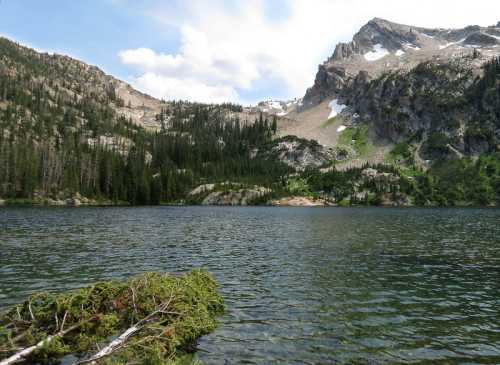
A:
x: 152, y: 316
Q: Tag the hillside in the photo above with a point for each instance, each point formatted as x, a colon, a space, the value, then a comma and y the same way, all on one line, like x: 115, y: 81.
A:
x: 70, y: 134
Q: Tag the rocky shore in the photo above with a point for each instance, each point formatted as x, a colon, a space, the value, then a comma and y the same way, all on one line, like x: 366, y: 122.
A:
x: 301, y: 201
x: 60, y: 200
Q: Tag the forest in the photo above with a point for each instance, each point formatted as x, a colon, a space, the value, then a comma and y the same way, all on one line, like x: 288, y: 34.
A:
x: 60, y: 134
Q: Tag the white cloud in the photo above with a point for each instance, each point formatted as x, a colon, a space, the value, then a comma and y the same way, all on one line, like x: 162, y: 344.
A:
x: 225, y: 49
x: 172, y: 88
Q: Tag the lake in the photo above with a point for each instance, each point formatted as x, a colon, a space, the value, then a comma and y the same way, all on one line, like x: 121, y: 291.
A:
x: 301, y: 285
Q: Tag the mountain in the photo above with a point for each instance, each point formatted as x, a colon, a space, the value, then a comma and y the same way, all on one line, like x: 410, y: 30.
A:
x: 70, y: 134
x: 382, y: 46
x: 379, y: 80
x: 401, y: 115
x: 419, y: 104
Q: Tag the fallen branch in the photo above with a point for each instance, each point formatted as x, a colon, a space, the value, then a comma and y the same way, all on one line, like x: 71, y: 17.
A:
x: 122, y: 339
x: 23, y: 354
x: 174, y: 311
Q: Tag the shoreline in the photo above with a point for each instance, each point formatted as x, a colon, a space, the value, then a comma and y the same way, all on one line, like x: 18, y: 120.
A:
x: 8, y: 204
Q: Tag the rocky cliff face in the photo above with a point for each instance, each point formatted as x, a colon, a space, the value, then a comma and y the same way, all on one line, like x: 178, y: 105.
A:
x: 381, y: 46
x: 444, y: 109
x: 227, y: 193
x: 298, y: 153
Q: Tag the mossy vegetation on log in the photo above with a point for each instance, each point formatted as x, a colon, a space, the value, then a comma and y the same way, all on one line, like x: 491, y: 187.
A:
x: 156, y: 318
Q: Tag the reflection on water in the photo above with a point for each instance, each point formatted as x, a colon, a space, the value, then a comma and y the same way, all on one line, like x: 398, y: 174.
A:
x: 302, y: 286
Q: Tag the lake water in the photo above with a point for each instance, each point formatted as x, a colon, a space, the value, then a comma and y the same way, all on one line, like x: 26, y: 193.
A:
x: 302, y: 286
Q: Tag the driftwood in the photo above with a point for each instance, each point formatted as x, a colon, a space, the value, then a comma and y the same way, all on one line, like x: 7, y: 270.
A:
x: 150, y: 316
x: 23, y: 354
x: 121, y: 340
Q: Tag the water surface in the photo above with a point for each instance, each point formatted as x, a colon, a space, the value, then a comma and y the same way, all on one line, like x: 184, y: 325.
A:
x: 302, y: 286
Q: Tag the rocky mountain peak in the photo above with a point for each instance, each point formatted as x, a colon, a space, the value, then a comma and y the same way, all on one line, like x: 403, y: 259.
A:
x: 381, y: 46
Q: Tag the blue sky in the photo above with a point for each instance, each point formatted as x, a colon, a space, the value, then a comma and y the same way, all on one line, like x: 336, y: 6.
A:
x: 216, y: 50
x: 92, y: 30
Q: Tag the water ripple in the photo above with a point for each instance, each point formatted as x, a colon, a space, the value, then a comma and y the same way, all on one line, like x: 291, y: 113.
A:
x: 302, y: 286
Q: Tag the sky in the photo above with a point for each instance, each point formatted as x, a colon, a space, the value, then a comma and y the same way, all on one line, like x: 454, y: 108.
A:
x: 241, y: 51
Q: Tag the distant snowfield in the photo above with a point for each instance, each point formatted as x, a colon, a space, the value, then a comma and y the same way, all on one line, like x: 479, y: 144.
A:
x: 275, y: 105
x: 451, y: 44
x: 336, y: 108
x: 412, y: 46
x: 378, y: 52
x: 400, y: 53
x: 443, y: 46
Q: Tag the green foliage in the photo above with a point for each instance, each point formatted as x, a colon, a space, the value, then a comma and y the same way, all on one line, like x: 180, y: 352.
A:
x: 402, y: 153
x: 485, y: 93
x: 331, y: 121
x: 437, y: 144
x: 298, y: 186
x: 402, y: 149
x: 108, y: 309
x: 466, y: 181
x: 357, y: 138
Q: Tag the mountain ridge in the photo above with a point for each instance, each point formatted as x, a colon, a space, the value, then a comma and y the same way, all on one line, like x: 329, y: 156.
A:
x: 135, y: 105
x: 396, y: 46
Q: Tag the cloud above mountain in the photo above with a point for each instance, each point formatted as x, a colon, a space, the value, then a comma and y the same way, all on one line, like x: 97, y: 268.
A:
x: 226, y: 48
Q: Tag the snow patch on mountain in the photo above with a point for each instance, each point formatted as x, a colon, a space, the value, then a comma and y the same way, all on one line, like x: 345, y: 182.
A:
x: 411, y: 46
x: 378, y: 52
x: 336, y: 108
x: 451, y: 44
x: 428, y: 35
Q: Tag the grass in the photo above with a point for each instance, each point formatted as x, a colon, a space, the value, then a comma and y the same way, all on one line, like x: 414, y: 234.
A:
x: 357, y: 138
x: 105, y: 310
x: 401, y: 154
x: 331, y: 121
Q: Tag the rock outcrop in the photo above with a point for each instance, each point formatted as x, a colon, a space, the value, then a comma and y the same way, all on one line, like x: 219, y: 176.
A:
x: 298, y: 153
x: 202, y: 189
x: 395, y: 200
x: 440, y: 106
x: 372, y: 175
x: 301, y: 201
x: 227, y: 193
x: 66, y: 199
x: 243, y: 197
